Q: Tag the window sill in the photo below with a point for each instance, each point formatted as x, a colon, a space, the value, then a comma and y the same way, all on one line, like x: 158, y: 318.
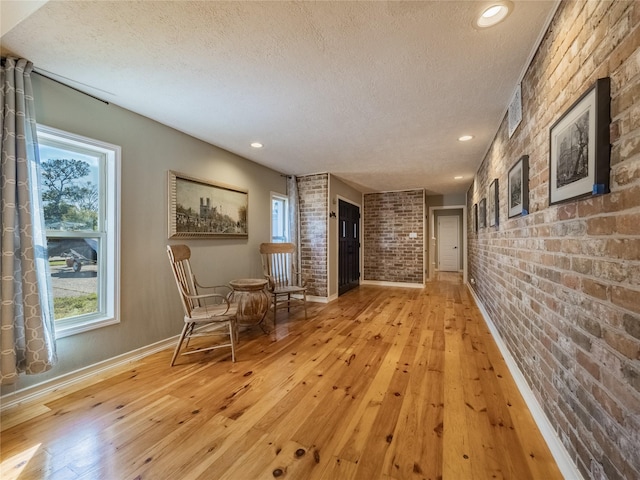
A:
x: 73, y: 329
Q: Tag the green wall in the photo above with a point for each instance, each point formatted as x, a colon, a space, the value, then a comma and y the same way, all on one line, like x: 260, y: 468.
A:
x: 149, y: 304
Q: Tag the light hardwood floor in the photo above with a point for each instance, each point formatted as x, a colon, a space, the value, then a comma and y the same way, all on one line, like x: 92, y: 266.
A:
x: 384, y: 383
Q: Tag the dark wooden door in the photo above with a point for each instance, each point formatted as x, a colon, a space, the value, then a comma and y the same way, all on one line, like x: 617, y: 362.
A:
x: 348, y: 246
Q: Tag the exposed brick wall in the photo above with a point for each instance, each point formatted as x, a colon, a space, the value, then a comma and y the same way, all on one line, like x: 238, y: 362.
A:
x: 389, y: 254
x: 562, y: 284
x: 313, y: 191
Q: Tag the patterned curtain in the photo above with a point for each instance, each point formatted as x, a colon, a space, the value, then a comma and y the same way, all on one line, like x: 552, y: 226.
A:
x: 294, y: 216
x: 27, y: 336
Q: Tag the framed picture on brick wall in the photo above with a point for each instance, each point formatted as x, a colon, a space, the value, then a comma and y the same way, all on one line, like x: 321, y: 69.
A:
x: 493, y: 212
x: 514, y: 114
x: 579, y: 150
x: 482, y: 214
x: 518, y: 191
x: 475, y: 217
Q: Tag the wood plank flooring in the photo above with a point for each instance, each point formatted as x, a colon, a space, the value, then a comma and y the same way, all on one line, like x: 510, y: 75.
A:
x: 384, y: 383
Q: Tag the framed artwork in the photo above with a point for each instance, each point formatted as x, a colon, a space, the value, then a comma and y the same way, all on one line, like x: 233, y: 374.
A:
x: 475, y: 217
x: 579, y: 150
x: 482, y: 214
x: 518, y: 191
x: 515, y: 110
x: 203, y: 209
x: 493, y: 212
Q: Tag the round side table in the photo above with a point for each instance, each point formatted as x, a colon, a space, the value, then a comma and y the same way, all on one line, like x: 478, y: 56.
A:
x: 253, y: 301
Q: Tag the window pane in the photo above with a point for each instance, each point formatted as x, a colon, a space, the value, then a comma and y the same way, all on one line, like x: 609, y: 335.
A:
x: 70, y: 188
x: 278, y: 219
x: 74, y: 275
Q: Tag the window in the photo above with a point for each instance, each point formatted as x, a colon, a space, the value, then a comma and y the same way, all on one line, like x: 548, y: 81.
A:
x: 279, y: 218
x: 80, y: 193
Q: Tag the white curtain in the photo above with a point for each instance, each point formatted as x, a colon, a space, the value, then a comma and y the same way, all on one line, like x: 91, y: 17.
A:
x: 294, y: 217
x: 27, y: 335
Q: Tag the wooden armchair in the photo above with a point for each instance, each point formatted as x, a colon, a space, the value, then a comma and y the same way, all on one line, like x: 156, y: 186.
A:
x: 286, y: 286
x: 204, y: 314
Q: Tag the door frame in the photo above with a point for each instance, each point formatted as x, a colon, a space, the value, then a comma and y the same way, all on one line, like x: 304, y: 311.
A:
x: 337, y: 240
x: 456, y: 224
x: 432, y: 238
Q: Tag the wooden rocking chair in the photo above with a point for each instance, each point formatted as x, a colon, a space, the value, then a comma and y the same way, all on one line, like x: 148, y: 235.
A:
x: 204, y: 314
x: 286, y: 286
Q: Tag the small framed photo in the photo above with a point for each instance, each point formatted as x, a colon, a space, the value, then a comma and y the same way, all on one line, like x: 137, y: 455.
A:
x: 518, y: 191
x: 579, y: 150
x: 475, y: 218
x: 482, y: 214
x: 494, y: 211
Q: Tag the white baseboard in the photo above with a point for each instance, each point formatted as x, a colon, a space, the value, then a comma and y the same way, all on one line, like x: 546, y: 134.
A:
x: 391, y: 284
x: 313, y: 298
x: 32, y: 392
x: 566, y: 465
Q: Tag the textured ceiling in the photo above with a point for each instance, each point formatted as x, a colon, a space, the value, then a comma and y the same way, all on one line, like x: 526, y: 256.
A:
x: 376, y: 93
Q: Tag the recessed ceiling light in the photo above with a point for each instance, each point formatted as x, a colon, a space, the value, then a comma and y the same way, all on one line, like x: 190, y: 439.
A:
x: 458, y: 177
x: 257, y: 145
x: 494, y: 14
x: 492, y: 11
x: 465, y: 138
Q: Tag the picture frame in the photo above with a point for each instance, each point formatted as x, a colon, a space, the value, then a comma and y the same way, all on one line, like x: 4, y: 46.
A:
x: 579, y: 149
x: 514, y: 114
x: 518, y: 188
x: 493, y: 211
x: 201, y: 208
x: 482, y: 214
x: 475, y: 218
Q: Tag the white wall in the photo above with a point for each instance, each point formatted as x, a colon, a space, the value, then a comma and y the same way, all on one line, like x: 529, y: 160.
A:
x: 14, y: 12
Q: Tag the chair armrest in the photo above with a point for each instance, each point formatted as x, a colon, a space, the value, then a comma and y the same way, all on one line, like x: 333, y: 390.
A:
x: 201, y: 298
x: 302, y: 281
x: 213, y: 287
x: 271, y: 285
x: 203, y: 303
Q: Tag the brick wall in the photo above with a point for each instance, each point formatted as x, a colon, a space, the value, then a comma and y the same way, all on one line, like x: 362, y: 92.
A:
x: 562, y: 284
x: 389, y: 254
x: 313, y: 191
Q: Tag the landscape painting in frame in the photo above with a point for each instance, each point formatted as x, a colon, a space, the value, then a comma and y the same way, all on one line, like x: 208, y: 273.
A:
x: 202, y: 209
x: 579, y: 147
x: 518, y: 191
x: 482, y: 213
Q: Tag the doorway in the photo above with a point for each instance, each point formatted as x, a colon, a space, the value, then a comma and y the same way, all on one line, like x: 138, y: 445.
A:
x: 348, y: 246
x: 448, y: 243
x: 460, y: 212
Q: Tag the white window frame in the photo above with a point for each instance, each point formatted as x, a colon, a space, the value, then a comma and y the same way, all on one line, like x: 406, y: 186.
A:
x: 109, y: 262
x: 285, y: 199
